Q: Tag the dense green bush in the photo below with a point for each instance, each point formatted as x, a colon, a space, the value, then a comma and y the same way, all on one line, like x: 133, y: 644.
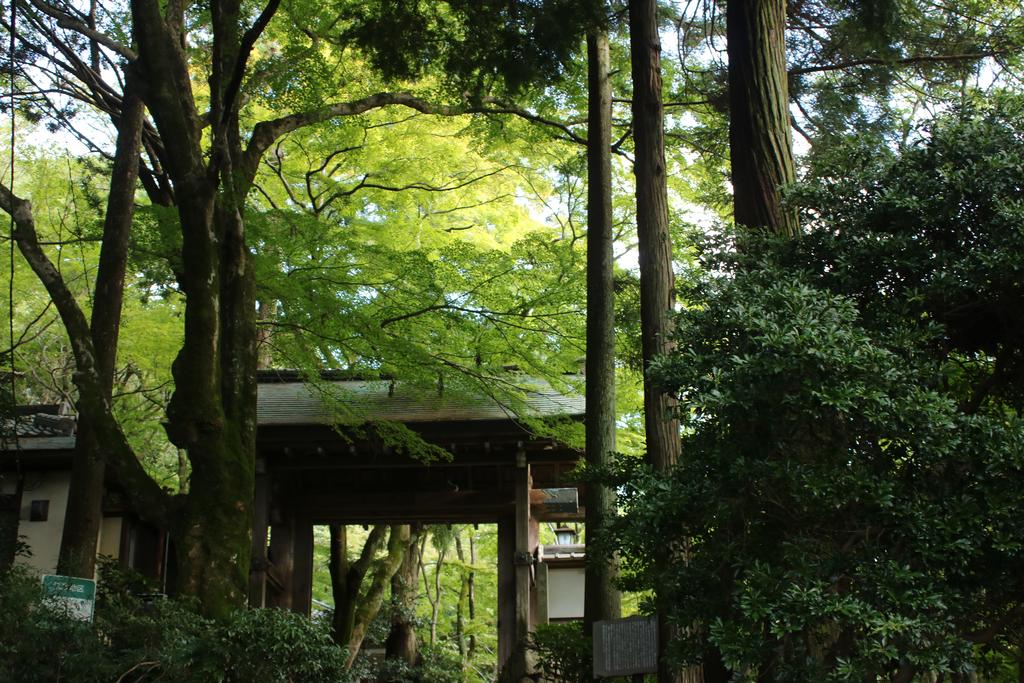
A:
x: 848, y: 502
x: 563, y: 652
x: 136, y: 641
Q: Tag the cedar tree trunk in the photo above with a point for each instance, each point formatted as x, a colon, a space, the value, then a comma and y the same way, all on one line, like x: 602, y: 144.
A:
x: 601, y: 599
x: 760, y: 138
x: 657, y: 283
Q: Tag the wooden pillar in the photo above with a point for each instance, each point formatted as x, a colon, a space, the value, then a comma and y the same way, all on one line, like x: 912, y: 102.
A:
x: 282, y: 562
x: 260, y: 520
x: 524, y: 554
x: 506, y: 589
x: 302, y: 570
x: 534, y: 579
x: 516, y: 542
x: 541, y: 591
x: 290, y: 568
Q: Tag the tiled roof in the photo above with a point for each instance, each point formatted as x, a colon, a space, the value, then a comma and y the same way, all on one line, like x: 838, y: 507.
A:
x: 288, y: 402
x: 576, y: 551
x: 297, y: 403
x: 39, y: 431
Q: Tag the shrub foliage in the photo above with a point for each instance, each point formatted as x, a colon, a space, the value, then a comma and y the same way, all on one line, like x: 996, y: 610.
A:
x: 847, y: 505
x: 137, y: 641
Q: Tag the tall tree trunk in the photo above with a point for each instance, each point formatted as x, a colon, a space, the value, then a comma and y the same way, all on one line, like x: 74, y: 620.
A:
x: 401, y: 643
x: 369, y: 606
x: 760, y: 137
x: 460, y: 614
x: 264, y: 353
x: 347, y: 578
x: 465, y: 609
x: 760, y: 143
x: 657, y: 281
x: 434, y: 598
x: 601, y: 599
x: 85, y: 495
x: 471, y: 595
x: 212, y: 413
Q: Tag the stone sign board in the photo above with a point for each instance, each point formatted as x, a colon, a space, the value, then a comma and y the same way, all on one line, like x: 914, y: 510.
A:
x: 625, y: 647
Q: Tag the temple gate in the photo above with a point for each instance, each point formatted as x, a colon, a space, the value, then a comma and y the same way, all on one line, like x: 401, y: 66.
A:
x: 311, y: 471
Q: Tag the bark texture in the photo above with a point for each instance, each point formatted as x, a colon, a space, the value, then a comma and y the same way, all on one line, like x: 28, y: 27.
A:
x: 85, y: 495
x: 760, y: 138
x: 347, y: 577
x: 401, y: 643
x: 601, y: 599
x: 465, y: 614
x: 212, y: 414
x: 657, y: 280
x: 369, y: 605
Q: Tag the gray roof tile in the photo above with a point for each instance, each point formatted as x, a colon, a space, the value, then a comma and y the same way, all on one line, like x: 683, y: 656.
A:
x: 296, y: 403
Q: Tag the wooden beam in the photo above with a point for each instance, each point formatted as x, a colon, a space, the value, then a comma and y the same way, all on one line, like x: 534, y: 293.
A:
x: 542, y: 514
x: 274, y: 582
x: 332, y: 457
x: 401, y: 507
x: 315, y: 501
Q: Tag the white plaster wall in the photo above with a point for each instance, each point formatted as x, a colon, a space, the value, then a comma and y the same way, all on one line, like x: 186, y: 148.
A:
x: 110, y: 537
x: 565, y: 593
x: 43, y: 538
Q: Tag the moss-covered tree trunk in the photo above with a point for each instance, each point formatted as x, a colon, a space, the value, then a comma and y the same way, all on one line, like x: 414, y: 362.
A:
x: 212, y: 414
x: 601, y: 598
x: 371, y: 601
x: 401, y: 642
x: 347, y: 577
x: 760, y: 137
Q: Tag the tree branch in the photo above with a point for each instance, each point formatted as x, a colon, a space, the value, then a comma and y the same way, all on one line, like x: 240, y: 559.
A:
x: 65, y: 20
x: 70, y: 312
x: 905, y: 61
x: 147, y: 497
x: 265, y: 133
x: 244, y: 50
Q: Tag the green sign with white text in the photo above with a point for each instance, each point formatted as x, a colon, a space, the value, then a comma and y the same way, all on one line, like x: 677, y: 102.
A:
x: 72, y: 595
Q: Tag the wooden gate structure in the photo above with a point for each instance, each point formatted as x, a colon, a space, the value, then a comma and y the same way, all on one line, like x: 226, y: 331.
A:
x: 310, y: 471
